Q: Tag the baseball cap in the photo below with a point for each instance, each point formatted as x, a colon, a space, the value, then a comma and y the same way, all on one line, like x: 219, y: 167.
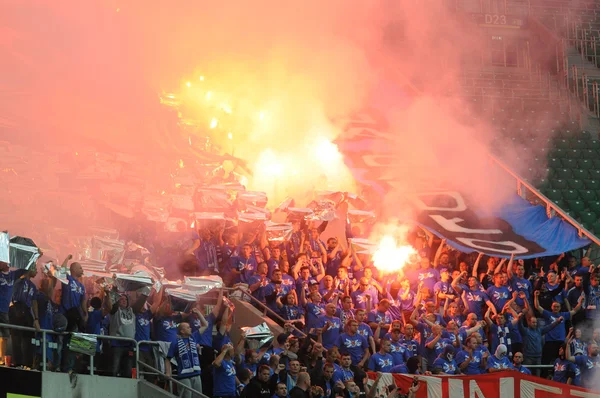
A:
x: 313, y: 282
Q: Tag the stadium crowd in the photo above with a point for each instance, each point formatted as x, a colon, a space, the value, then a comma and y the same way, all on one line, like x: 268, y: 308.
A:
x: 444, y: 312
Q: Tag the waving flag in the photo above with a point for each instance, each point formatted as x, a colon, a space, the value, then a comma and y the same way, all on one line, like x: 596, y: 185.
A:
x: 516, y: 227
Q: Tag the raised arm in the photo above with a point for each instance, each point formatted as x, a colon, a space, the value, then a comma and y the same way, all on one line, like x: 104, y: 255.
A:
x: 536, y: 302
x: 438, y: 253
x: 509, y: 268
x: 499, y: 266
x: 203, y: 322
x: 476, y: 266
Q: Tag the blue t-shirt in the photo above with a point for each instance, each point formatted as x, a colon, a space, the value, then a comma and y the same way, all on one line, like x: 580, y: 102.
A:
x: 399, y: 353
x: 434, y: 352
x: 313, y: 312
x: 94, y: 325
x: 589, y: 369
x: 445, y: 366
x: 272, y: 265
x: 429, y: 277
x: 365, y: 331
x: 342, y: 374
x: 331, y: 335
x: 224, y: 379
x: 353, y: 345
x: 7, y: 280
x: 412, y: 347
x: 291, y: 312
x: 381, y: 363
x: 206, y: 337
x: 563, y: 369
x: 142, y: 328
x: 247, y: 267
x: 443, y: 287
x: 174, y: 353
x: 475, y: 300
x: 259, y: 293
x: 25, y: 292
x: 522, y: 369
x: 495, y: 363
x: 474, y: 367
x: 165, y: 329
x: 360, y: 300
x: 72, y: 294
x: 499, y: 296
x: 559, y: 332
x: 377, y: 317
x: 94, y: 322
x: 521, y: 285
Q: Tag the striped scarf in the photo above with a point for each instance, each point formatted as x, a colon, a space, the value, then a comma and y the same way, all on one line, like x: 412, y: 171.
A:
x: 504, y: 338
x: 188, y: 356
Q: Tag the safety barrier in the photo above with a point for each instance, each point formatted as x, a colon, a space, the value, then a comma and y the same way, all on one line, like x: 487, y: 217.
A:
x: 266, y: 310
x: 551, y: 208
x: 171, y: 380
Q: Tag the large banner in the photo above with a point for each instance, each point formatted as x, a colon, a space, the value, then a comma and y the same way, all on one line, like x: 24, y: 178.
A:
x: 494, y: 385
x: 517, y: 227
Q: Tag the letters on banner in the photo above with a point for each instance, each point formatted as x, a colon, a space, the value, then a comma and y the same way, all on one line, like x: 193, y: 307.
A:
x: 493, y: 385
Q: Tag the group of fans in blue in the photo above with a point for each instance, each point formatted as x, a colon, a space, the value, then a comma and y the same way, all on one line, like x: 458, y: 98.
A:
x: 444, y: 312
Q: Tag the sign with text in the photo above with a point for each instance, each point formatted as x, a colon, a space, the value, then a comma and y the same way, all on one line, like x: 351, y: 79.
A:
x: 491, y: 385
x: 498, y: 21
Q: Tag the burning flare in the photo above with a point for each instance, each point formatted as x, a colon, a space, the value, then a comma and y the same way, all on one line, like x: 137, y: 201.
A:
x: 390, y: 257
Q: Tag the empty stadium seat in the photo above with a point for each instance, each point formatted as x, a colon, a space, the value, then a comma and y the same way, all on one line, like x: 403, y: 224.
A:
x: 594, y: 206
x: 587, y: 195
x: 586, y: 164
x: 588, y: 218
x: 576, y: 205
x: 575, y: 184
x: 580, y: 174
x: 553, y: 194
x: 559, y: 183
x: 569, y: 194
x: 563, y: 174
x: 592, y: 185
x: 569, y: 163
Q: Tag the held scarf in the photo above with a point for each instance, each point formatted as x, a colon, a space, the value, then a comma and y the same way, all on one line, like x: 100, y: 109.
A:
x: 504, y: 338
x: 189, y: 357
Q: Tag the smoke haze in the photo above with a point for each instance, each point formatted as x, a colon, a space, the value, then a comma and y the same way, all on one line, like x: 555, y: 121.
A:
x: 82, y: 78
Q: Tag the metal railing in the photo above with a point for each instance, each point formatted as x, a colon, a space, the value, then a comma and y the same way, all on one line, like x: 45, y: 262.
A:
x: 265, y: 310
x: 551, y: 208
x: 135, y: 345
x: 45, y: 332
x: 170, y: 379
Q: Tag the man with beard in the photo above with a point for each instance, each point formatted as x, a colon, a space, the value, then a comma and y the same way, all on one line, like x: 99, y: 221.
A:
x: 470, y: 361
x: 499, y: 361
x: 518, y: 363
x: 445, y: 363
x: 564, y: 371
x: 588, y: 364
x: 260, y: 385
